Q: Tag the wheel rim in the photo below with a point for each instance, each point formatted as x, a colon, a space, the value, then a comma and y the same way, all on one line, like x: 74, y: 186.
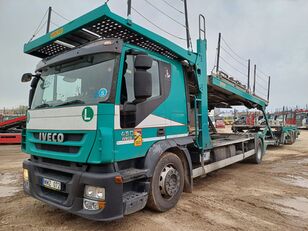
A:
x: 169, y: 181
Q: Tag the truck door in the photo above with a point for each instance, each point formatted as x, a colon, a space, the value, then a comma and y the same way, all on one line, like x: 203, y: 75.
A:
x: 141, y: 121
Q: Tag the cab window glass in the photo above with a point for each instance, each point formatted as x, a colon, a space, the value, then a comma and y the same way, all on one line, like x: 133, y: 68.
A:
x: 129, y: 80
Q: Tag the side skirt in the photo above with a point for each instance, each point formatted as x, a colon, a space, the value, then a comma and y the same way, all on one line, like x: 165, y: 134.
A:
x: 222, y: 163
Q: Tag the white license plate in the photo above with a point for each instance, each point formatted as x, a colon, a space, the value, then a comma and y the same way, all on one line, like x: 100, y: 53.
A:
x: 52, y: 184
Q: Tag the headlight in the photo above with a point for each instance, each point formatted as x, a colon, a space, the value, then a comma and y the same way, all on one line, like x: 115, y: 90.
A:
x: 93, y: 192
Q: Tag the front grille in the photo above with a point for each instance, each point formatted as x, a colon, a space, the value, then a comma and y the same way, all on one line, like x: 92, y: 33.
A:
x: 58, y: 148
x: 56, y: 196
x: 67, y: 136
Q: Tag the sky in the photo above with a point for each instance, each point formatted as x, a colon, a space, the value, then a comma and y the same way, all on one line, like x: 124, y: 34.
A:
x: 273, y: 34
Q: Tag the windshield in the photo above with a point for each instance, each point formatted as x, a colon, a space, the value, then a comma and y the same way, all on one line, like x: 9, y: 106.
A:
x: 87, y: 80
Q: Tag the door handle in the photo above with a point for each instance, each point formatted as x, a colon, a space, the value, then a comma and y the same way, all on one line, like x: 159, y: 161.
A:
x: 161, y: 132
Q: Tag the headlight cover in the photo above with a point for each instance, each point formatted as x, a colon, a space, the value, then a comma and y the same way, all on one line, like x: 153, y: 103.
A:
x: 93, y: 192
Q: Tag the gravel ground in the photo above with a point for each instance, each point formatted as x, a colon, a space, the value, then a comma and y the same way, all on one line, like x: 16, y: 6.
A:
x: 269, y: 196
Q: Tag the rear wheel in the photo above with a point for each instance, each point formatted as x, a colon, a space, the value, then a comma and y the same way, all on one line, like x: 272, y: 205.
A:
x: 257, y: 158
x: 291, y: 138
x: 167, y: 183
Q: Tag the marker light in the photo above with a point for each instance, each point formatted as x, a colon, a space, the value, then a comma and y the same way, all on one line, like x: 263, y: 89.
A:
x: 26, y: 174
x: 108, y: 42
x: 118, y: 179
x: 26, y: 179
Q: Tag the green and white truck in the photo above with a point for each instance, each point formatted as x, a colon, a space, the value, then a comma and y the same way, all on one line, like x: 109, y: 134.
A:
x: 118, y: 118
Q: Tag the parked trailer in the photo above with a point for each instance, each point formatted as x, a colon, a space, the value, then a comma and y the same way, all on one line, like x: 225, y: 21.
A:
x: 301, y: 118
x: 282, y: 134
x: 128, y: 125
x: 282, y: 125
x: 10, y: 130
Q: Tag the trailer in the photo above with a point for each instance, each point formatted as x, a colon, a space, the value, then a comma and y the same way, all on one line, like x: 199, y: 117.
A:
x: 118, y: 118
x: 301, y: 118
x: 10, y: 130
x: 282, y: 124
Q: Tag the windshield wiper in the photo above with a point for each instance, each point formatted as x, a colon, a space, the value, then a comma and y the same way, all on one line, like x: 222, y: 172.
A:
x: 76, y: 101
x: 42, y: 105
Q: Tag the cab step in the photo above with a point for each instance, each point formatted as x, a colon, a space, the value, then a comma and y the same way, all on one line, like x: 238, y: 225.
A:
x: 132, y: 174
x: 134, y: 201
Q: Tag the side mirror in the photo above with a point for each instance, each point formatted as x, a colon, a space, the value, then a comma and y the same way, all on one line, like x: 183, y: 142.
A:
x: 26, y: 77
x: 143, y: 78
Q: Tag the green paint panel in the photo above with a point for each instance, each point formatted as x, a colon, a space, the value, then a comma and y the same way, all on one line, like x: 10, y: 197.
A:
x: 103, y: 148
x: 125, y: 151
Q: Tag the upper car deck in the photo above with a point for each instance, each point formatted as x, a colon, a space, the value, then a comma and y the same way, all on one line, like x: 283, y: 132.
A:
x: 101, y: 23
x: 224, y: 92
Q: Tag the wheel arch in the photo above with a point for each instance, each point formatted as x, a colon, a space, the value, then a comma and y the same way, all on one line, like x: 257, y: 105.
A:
x: 176, y: 146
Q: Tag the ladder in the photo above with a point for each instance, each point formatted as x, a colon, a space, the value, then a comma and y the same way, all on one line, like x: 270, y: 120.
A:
x: 198, y: 122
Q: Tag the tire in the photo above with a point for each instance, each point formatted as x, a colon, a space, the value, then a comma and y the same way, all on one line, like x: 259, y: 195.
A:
x: 257, y: 158
x: 291, y: 139
x: 294, y: 137
x: 162, y: 195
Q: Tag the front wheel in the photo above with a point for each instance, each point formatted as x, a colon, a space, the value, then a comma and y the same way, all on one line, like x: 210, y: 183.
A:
x: 167, y: 183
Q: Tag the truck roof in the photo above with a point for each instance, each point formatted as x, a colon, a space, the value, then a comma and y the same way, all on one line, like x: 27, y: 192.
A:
x: 102, y: 23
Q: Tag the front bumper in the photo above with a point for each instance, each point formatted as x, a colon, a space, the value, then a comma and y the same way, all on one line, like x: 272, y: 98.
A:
x: 74, y: 178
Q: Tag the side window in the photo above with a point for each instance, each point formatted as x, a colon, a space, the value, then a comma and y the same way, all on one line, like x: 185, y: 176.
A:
x: 129, y: 79
x: 128, y: 111
x: 155, y: 79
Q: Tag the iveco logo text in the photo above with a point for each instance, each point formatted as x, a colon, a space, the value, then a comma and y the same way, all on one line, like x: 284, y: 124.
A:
x: 51, y: 137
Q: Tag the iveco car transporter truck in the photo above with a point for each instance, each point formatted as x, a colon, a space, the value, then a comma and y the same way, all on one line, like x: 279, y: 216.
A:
x: 118, y: 118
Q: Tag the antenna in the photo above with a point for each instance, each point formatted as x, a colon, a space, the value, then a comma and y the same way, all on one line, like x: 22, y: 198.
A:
x: 254, y: 78
x: 48, y: 19
x: 248, y: 75
x: 268, y: 88
x: 187, y: 26
x: 129, y: 8
x: 218, y: 52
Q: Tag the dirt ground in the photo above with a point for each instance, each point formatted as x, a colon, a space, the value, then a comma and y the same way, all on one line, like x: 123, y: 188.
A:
x: 269, y: 196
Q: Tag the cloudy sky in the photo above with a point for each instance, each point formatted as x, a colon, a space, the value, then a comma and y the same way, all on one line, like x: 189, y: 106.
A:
x: 272, y: 33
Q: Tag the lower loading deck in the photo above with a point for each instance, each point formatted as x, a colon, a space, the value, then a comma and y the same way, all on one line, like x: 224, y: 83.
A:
x: 227, y: 148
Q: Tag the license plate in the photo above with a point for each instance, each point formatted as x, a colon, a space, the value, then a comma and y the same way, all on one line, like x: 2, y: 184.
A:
x: 52, y: 184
